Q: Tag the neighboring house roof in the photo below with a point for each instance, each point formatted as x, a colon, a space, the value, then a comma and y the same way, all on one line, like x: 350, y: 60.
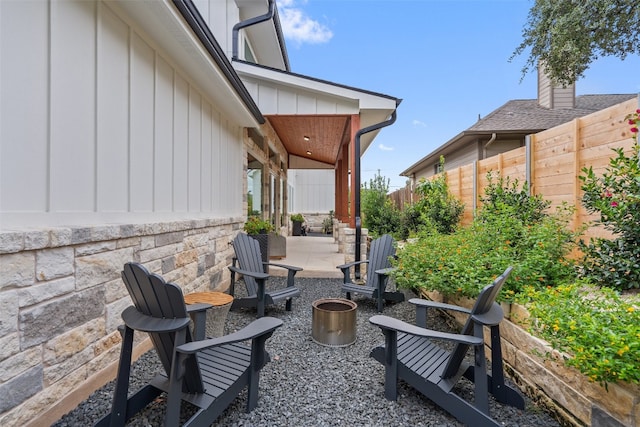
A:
x: 520, y: 117
x: 527, y: 114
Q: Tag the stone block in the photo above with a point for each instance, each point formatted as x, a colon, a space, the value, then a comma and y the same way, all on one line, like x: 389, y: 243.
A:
x: 554, y: 387
x: 11, y: 241
x: 105, y: 232
x: 68, y: 344
x: 114, y: 313
x: 80, y: 235
x: 20, y: 388
x: 169, y: 238
x: 186, y: 257
x: 9, y: 312
x: 36, y: 239
x: 76, y: 363
x: 44, y: 321
x: 100, y: 268
x: 17, y: 270
x: 95, y: 248
x: 107, y: 343
x: 44, y: 291
x: 9, y: 345
x: 147, y: 242
x: 127, y: 243
x: 54, y: 263
x: 159, y: 253
x: 127, y: 230
x: 103, y: 359
x: 15, y: 365
x: 115, y: 289
x: 60, y: 237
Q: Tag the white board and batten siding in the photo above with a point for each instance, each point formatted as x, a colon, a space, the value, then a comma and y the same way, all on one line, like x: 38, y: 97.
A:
x: 314, y: 190
x: 99, y: 125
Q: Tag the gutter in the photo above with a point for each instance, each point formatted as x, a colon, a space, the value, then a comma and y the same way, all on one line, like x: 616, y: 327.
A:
x: 493, y: 138
x: 272, y: 12
x: 358, y: 255
x: 190, y: 13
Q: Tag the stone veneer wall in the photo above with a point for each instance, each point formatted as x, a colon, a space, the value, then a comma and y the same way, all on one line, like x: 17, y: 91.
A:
x: 61, y: 297
x: 539, y: 370
x: 346, y: 238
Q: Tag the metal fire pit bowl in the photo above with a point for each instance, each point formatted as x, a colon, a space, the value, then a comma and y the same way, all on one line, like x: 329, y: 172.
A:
x: 333, y: 322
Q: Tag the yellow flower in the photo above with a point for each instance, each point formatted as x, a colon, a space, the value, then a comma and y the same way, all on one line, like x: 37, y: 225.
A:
x: 623, y: 350
x: 630, y: 309
x: 556, y: 327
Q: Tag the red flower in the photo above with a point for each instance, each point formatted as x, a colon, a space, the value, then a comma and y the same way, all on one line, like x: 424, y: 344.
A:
x: 634, y: 130
x: 632, y: 122
x: 614, y: 204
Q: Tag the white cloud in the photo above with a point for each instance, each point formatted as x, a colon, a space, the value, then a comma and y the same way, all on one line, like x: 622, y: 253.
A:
x: 419, y: 123
x: 385, y: 148
x: 300, y: 28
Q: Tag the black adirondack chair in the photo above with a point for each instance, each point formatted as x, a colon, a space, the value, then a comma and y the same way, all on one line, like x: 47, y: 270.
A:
x: 252, y: 268
x: 409, y: 353
x: 378, y: 268
x: 208, y: 374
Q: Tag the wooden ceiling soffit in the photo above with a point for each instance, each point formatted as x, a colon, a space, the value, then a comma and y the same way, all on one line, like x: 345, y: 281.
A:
x: 315, y: 137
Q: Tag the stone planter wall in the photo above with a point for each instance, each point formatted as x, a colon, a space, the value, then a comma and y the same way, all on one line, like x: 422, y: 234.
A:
x: 541, y: 373
x: 61, y: 297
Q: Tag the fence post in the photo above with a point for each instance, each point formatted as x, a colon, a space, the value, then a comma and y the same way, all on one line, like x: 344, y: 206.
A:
x: 527, y: 163
x: 475, y: 186
x: 576, y: 163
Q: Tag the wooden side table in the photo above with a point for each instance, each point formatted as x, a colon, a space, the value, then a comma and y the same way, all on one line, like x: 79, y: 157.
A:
x: 216, y: 315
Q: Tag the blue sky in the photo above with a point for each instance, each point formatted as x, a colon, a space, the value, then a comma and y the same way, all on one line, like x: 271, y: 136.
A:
x: 448, y: 60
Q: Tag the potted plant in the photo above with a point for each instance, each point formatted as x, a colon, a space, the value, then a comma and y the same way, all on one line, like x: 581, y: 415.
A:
x: 256, y: 225
x: 259, y: 229
x: 327, y: 224
x: 297, y: 220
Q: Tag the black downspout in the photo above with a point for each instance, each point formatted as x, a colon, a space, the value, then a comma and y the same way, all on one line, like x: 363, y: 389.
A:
x: 248, y: 23
x: 357, y: 180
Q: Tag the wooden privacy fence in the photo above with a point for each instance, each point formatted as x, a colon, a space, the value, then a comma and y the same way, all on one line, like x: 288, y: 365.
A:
x: 551, y: 162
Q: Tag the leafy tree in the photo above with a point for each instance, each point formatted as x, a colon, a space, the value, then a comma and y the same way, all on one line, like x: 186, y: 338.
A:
x: 436, y: 208
x: 380, y: 215
x: 567, y: 35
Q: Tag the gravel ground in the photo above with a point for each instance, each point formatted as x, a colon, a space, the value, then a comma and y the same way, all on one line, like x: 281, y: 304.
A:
x: 307, y: 384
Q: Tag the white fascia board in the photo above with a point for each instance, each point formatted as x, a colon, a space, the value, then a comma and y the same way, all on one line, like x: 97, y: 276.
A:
x: 165, y: 26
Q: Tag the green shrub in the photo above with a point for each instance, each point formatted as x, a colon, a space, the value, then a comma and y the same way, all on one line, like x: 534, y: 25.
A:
x: 615, y: 196
x: 596, y: 327
x: 502, y: 193
x: 463, y: 262
x: 380, y: 215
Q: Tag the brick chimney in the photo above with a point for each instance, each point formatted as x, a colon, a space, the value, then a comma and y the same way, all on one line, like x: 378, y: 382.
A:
x: 554, y: 96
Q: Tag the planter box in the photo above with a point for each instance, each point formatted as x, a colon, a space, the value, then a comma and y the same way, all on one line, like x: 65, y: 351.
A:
x: 297, y: 228
x: 277, y: 246
x: 540, y: 373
